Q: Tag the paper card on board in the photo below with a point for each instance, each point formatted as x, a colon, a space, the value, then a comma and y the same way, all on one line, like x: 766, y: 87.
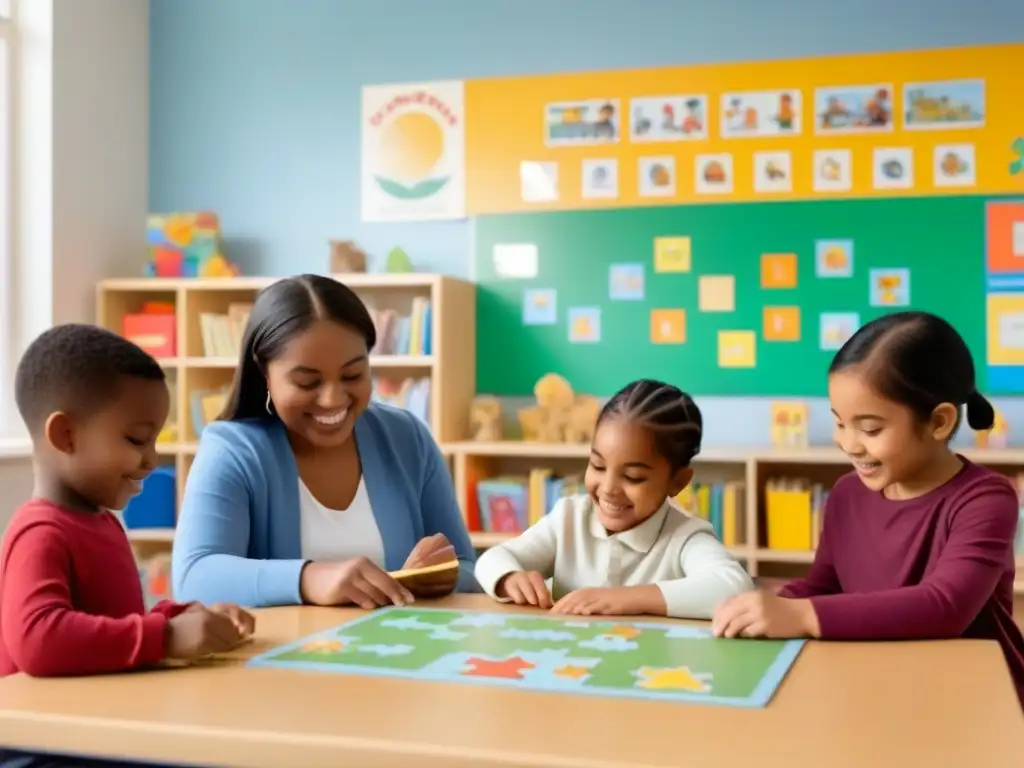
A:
x: 538, y: 182
x: 737, y: 349
x: 836, y: 328
x: 890, y: 287
x: 1018, y: 239
x: 773, y: 172
x: 781, y: 324
x: 1011, y: 330
x: 600, y: 179
x: 657, y: 176
x: 833, y: 170
x: 540, y: 306
x: 954, y: 166
x: 893, y: 168
x: 944, y: 105
x: 778, y: 270
x: 761, y: 113
x: 672, y: 254
x: 584, y: 325
x: 833, y: 258
x: 515, y: 260
x: 626, y: 282
x: 853, y: 109
x: 717, y: 293
x: 668, y: 326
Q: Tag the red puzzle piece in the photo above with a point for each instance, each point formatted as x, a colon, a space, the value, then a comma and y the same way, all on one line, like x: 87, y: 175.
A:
x: 508, y: 669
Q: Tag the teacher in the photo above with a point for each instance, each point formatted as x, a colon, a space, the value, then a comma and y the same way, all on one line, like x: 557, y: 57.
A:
x: 303, y: 491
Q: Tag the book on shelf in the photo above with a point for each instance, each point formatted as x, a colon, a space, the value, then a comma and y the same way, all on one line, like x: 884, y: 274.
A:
x: 206, y: 405
x: 794, y: 512
x: 412, y: 394
x: 222, y: 333
x: 723, y: 505
x: 511, y: 504
x: 404, y: 334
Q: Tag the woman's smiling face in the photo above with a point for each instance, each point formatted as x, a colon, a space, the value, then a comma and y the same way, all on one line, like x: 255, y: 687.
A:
x: 320, y: 383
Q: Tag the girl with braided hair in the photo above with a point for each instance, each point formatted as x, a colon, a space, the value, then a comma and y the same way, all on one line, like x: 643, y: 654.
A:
x: 624, y: 547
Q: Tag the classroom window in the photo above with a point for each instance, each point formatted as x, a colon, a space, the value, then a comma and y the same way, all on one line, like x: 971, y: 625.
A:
x: 8, y: 47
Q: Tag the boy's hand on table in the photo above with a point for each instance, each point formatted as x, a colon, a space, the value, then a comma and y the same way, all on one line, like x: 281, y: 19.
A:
x: 761, y: 613
x: 524, y: 588
x: 199, y: 632
x: 612, y: 601
x: 242, y: 619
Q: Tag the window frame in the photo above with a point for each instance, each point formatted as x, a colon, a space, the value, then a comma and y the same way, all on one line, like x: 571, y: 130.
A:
x: 9, y: 50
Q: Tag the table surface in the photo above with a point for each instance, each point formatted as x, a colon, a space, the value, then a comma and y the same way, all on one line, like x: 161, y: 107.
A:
x: 937, y: 703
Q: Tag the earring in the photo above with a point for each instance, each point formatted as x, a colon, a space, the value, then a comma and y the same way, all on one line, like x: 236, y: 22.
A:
x: 270, y: 404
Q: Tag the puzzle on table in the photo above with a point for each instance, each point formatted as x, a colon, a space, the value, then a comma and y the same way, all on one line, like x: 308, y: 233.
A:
x: 640, y: 660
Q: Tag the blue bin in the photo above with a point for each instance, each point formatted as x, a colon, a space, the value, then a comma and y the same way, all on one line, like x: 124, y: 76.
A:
x: 155, y: 506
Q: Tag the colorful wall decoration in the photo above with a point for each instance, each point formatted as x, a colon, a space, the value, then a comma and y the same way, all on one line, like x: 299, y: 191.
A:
x: 938, y: 122
x: 727, y: 226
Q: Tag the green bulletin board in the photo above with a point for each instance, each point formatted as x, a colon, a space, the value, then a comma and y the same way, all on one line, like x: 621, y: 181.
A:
x: 938, y: 242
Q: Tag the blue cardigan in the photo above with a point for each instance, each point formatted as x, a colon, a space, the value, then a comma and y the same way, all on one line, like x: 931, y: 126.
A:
x: 238, y: 536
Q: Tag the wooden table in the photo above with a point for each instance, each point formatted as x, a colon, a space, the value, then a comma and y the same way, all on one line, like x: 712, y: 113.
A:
x: 842, y: 705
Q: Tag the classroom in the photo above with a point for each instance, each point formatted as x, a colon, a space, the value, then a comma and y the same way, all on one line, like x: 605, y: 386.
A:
x: 718, y: 199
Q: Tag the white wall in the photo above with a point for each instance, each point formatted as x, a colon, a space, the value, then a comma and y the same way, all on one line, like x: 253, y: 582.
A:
x: 81, y: 165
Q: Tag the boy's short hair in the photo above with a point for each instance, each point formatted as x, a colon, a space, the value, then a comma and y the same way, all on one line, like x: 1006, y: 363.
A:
x: 74, y: 368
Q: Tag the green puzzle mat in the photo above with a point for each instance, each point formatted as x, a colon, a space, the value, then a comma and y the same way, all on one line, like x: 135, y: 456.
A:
x: 624, y: 659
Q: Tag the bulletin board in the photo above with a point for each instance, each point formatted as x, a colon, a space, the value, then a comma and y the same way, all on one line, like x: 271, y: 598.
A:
x: 746, y: 299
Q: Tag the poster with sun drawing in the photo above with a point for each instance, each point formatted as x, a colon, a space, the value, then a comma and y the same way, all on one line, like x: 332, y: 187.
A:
x: 413, y: 152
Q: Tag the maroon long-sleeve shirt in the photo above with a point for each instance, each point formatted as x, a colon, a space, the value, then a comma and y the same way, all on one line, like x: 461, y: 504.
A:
x: 938, y: 566
x: 70, y: 596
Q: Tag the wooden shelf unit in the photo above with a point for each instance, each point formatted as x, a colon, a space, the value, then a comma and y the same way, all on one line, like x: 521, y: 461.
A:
x: 451, y: 366
x: 754, y: 465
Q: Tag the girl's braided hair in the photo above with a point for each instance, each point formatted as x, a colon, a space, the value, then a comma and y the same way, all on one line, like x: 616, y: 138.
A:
x: 668, y: 412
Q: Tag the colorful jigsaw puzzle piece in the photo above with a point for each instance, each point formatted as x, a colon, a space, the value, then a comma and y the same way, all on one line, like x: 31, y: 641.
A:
x: 673, y: 678
x: 505, y: 669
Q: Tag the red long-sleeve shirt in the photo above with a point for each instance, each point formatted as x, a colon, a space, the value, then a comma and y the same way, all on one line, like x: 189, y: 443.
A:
x: 70, y: 596
x: 938, y: 566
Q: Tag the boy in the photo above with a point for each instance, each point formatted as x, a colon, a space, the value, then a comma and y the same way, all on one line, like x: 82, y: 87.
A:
x: 70, y: 596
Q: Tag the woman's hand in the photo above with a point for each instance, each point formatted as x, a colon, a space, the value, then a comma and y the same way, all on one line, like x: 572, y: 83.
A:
x: 763, y: 614
x: 358, y: 581
x: 432, y: 550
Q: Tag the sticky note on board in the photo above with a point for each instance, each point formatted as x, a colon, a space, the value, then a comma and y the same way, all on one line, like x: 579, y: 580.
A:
x: 626, y: 282
x: 540, y: 306
x: 778, y: 270
x: 668, y: 326
x: 890, y: 287
x: 584, y: 325
x: 737, y: 349
x: 836, y: 328
x: 781, y: 324
x: 672, y: 254
x: 1018, y: 239
x: 716, y: 293
x: 515, y: 260
x: 833, y: 258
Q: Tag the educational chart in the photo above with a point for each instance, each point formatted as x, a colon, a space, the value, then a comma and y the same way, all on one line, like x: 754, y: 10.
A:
x: 941, y: 122
x: 744, y: 299
x: 638, y: 660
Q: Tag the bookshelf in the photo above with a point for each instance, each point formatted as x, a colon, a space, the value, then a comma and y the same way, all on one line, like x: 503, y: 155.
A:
x: 753, y: 466
x: 449, y: 367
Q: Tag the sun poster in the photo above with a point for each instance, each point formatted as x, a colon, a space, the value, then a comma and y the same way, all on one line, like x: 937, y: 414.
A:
x: 413, y: 152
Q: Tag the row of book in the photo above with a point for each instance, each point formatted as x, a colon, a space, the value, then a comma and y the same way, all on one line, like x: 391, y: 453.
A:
x: 222, y: 333
x: 403, y: 334
x: 794, y: 512
x: 511, y: 504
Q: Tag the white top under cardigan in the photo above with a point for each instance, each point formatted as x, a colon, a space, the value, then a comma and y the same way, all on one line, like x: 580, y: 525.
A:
x: 339, y: 534
x: 671, y: 549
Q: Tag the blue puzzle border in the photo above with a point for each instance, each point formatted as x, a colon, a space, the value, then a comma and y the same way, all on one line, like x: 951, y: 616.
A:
x: 758, y: 698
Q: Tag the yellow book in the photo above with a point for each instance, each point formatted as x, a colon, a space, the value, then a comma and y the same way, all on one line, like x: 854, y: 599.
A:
x: 538, y: 496
x: 788, y: 513
x: 704, y: 502
x: 734, y: 514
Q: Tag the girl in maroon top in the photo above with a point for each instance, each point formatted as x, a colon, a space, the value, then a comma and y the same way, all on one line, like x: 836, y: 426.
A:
x: 917, y: 541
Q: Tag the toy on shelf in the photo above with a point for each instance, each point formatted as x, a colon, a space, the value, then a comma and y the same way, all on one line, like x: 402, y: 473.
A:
x: 789, y: 425
x: 485, y: 418
x: 186, y: 245
x: 154, y: 328
x: 346, y: 257
x: 997, y: 437
x: 398, y: 262
x: 560, y: 415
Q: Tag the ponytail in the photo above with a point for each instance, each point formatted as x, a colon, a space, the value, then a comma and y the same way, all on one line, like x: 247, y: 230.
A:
x: 981, y: 415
